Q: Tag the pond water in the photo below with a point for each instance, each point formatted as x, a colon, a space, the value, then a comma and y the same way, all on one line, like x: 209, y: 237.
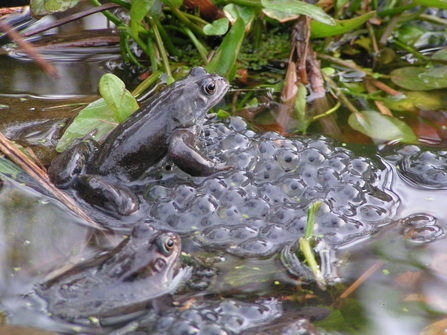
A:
x: 239, y: 229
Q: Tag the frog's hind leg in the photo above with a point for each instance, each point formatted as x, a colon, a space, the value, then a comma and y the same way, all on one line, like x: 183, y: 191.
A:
x: 112, y: 199
x: 183, y: 152
x: 65, y: 167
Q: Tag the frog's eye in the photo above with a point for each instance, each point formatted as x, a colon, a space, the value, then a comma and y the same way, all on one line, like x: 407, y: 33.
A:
x: 210, y: 87
x: 168, y: 245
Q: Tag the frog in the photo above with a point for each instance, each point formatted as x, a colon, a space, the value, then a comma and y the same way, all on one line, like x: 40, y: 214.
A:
x: 126, y: 280
x: 167, y: 125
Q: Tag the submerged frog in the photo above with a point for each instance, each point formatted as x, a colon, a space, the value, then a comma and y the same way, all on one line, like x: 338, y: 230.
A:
x: 140, y: 269
x: 166, y: 125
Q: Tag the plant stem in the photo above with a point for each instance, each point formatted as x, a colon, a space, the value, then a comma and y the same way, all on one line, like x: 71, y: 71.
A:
x: 166, y: 39
x: 129, y: 51
x: 146, y: 83
x: 186, y: 21
x: 152, y: 57
x: 341, y: 96
x: 410, y: 49
x: 200, y: 48
x: 161, y: 48
x: 107, y: 14
x: 123, y: 42
x: 345, y: 64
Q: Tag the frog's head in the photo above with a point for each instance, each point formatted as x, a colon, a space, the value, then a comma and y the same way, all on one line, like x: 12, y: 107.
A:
x: 146, y: 254
x: 195, y: 94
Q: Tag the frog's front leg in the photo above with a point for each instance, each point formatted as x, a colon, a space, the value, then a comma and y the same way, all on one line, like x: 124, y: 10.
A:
x: 184, y: 154
x: 65, y: 167
x: 112, y: 199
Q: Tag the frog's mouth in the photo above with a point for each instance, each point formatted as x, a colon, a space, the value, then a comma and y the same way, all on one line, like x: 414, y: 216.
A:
x: 169, y: 267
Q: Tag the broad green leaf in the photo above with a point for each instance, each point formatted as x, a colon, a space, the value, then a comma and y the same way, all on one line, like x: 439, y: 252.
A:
x: 138, y: 11
x: 299, y: 7
x: 280, y: 16
x: 96, y: 115
x: 319, y: 29
x: 224, y: 60
x: 409, y: 34
x: 233, y: 12
x: 119, y: 100
x: 436, y: 76
x: 440, y: 55
x: 442, y: 4
x: 420, y: 79
x: 414, y: 100
x: 382, y: 128
x: 218, y: 27
x: 45, y: 7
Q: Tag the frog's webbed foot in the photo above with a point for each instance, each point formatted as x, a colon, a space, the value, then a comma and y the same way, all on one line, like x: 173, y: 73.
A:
x: 184, y: 154
x: 65, y: 167
x: 112, y: 199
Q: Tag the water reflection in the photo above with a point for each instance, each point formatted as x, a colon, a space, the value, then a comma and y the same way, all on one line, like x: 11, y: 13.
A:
x: 79, y: 74
x: 79, y: 69
x: 33, y: 241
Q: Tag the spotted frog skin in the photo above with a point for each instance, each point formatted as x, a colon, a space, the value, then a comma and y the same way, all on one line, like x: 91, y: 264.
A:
x: 166, y: 125
x: 140, y: 269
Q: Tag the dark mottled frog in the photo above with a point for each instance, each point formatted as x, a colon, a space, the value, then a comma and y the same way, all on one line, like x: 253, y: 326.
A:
x: 140, y: 269
x: 166, y: 125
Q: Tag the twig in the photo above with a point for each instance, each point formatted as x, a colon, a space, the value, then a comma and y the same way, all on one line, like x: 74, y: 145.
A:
x: 345, y: 64
x: 384, y: 87
x: 376, y: 266
x: 379, y: 104
x: 71, y: 18
x: 29, y: 49
x: 31, y: 168
x: 341, y: 95
x: 37, y: 160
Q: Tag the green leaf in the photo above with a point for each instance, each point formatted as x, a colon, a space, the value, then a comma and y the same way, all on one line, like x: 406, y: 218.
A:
x: 440, y: 55
x: 442, y: 4
x: 300, y: 102
x: 138, y: 11
x: 299, y: 7
x: 233, y: 12
x: 319, y: 30
x: 45, y: 7
x: 420, y: 79
x: 382, y: 128
x: 280, y: 16
x: 224, y: 60
x: 103, y: 114
x: 412, y: 101
x: 409, y: 34
x: 218, y: 27
x: 119, y: 100
x: 90, y: 118
x: 173, y: 3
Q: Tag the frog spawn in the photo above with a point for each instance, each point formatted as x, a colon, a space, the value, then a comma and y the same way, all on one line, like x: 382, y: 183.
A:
x: 213, y: 318
x: 261, y: 204
x: 419, y: 167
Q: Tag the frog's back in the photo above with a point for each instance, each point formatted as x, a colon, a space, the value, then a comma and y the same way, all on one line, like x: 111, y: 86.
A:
x: 143, y: 139
x: 139, y: 142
